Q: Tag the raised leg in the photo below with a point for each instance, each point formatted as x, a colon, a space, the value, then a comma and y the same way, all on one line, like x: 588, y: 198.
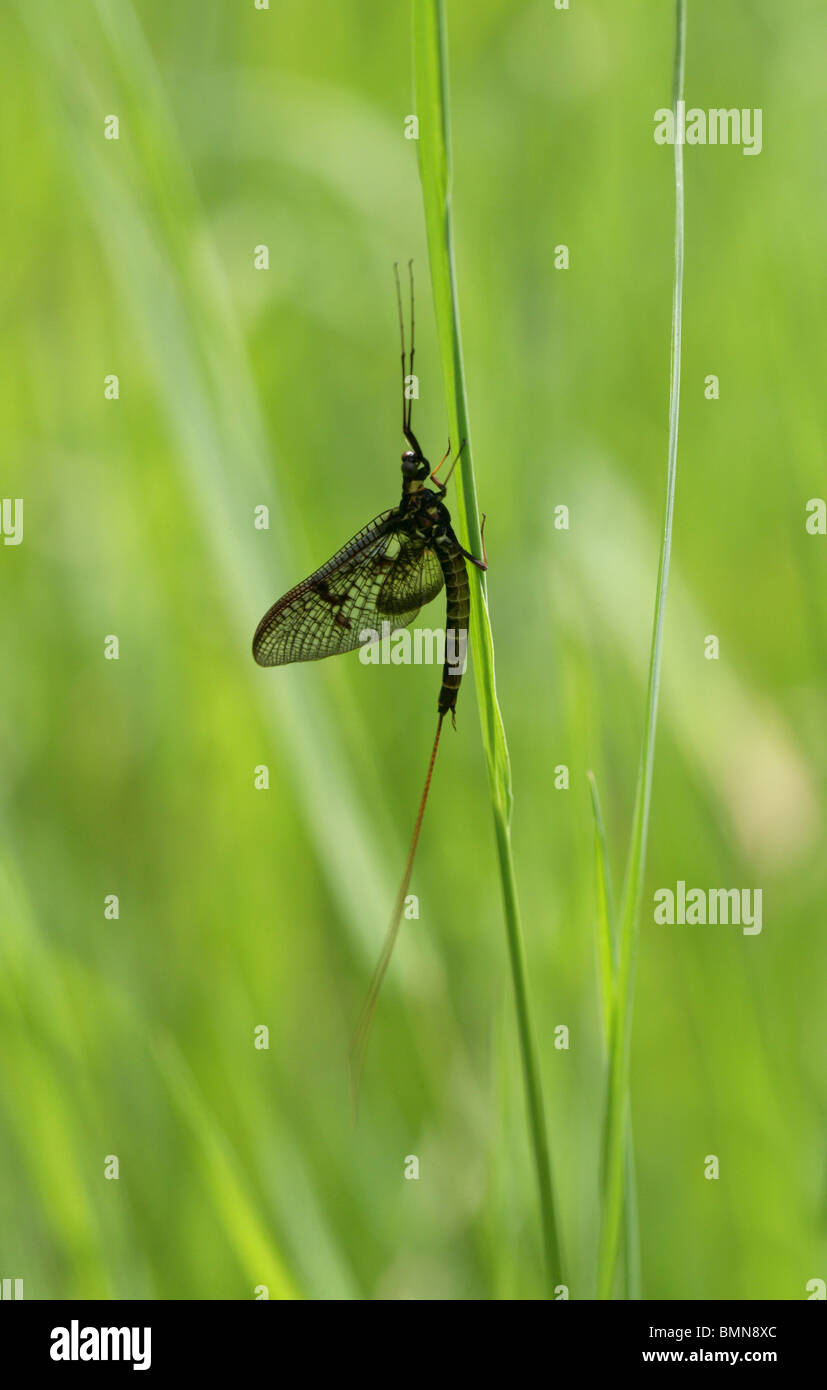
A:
x: 409, y: 431
x: 443, y: 487
x: 407, y: 404
x: 402, y: 343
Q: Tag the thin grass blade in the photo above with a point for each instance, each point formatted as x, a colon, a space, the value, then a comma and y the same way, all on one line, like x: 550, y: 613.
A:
x: 430, y: 52
x: 614, y: 1146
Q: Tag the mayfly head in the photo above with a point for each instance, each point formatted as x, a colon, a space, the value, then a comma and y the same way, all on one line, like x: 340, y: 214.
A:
x: 414, y: 467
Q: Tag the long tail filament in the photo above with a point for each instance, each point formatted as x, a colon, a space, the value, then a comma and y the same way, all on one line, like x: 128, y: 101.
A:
x: 359, y: 1044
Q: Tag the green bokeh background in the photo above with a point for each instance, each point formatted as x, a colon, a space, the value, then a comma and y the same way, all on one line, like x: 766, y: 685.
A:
x: 241, y: 1167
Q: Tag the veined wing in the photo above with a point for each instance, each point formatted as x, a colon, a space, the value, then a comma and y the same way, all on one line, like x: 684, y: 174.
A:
x: 379, y: 575
x: 412, y: 578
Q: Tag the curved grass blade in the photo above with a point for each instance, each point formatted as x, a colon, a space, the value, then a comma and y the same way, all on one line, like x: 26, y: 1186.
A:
x: 618, y: 1083
x: 607, y: 964
x: 606, y: 943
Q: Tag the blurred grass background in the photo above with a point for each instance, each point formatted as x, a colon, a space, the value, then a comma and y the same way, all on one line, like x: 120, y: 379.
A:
x: 240, y: 1167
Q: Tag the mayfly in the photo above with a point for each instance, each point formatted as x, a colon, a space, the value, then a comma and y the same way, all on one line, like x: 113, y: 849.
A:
x: 384, y: 574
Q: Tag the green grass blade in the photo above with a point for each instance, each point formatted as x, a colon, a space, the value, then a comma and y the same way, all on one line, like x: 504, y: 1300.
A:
x: 606, y: 958
x: 225, y: 1181
x: 618, y: 1084
x: 631, y: 1220
x: 435, y: 173
x: 605, y: 914
x: 434, y: 166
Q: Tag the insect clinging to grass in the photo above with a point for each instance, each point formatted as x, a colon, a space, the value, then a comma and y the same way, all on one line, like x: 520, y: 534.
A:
x: 385, y: 573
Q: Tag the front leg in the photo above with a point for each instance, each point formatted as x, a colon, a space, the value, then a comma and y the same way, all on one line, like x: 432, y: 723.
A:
x: 443, y: 487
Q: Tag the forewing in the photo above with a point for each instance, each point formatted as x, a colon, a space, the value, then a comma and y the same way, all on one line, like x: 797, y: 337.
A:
x: 378, y: 576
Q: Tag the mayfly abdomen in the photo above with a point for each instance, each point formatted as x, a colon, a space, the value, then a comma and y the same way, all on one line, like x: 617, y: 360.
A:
x: 456, y: 624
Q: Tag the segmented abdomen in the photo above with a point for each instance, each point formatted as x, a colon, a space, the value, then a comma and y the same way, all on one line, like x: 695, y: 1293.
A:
x: 456, y: 623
